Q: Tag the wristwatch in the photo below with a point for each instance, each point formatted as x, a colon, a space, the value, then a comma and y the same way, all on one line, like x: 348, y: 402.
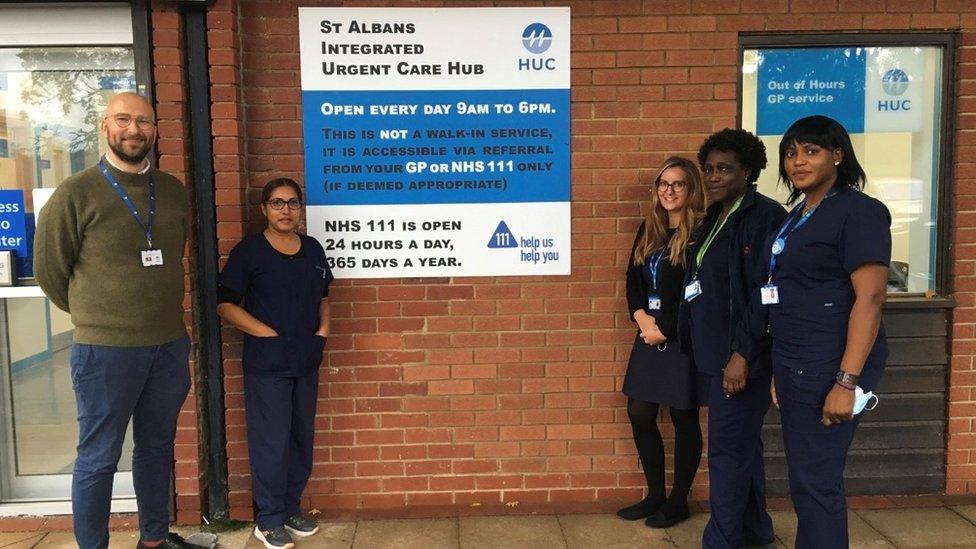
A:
x: 846, y: 378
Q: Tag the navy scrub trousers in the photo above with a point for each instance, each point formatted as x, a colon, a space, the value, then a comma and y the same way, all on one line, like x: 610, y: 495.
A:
x: 809, y: 328
x: 280, y: 373
x: 736, y: 476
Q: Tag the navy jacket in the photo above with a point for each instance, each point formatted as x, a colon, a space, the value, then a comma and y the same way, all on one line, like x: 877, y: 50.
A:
x: 757, y: 217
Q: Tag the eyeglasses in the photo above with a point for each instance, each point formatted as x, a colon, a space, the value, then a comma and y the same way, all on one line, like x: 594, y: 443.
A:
x: 722, y: 169
x: 124, y: 121
x: 279, y: 204
x: 677, y: 186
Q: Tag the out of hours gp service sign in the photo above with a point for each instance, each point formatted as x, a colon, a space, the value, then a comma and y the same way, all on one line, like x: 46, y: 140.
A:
x: 437, y: 139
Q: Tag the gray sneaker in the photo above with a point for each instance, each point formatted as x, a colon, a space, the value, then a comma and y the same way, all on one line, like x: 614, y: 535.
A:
x: 301, y: 526
x: 276, y: 538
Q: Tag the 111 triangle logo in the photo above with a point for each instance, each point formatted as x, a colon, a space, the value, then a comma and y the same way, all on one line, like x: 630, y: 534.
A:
x: 502, y: 237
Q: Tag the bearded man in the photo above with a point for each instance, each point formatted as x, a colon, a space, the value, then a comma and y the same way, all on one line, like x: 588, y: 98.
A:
x: 109, y: 250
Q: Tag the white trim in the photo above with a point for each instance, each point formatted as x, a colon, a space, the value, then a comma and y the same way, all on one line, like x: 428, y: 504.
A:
x: 67, y: 24
x: 7, y: 292
x: 43, y: 508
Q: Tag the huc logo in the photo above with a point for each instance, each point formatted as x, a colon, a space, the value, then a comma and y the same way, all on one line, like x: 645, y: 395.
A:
x: 537, y: 38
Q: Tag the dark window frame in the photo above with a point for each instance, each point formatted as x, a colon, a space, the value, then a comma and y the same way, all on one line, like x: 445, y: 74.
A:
x: 946, y: 41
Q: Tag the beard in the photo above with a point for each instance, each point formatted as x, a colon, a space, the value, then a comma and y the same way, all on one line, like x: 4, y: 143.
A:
x: 131, y: 158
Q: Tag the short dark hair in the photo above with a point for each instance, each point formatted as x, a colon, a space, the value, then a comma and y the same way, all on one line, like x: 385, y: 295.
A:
x: 270, y: 187
x: 827, y: 133
x: 748, y: 150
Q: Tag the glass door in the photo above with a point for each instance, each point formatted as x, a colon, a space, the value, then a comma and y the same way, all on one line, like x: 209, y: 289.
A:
x: 51, y: 103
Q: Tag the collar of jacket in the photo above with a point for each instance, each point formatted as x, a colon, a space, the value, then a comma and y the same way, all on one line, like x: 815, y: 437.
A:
x: 748, y: 200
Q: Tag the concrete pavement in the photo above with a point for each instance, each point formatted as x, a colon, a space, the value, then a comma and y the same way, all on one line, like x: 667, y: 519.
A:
x: 935, y: 527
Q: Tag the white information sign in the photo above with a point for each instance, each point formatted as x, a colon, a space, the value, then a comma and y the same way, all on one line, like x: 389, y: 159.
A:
x: 437, y: 139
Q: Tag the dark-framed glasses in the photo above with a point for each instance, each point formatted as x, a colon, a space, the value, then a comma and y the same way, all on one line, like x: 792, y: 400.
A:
x: 278, y: 204
x: 676, y: 186
x: 125, y: 120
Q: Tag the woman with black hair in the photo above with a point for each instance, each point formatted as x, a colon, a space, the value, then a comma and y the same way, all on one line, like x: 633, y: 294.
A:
x: 282, y: 277
x: 729, y: 344
x: 658, y: 372
x: 827, y: 275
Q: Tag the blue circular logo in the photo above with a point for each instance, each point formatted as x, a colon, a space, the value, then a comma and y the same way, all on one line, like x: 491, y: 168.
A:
x: 537, y: 38
x: 894, y: 82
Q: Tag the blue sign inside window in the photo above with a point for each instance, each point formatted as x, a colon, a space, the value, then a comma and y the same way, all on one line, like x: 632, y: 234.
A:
x: 796, y: 83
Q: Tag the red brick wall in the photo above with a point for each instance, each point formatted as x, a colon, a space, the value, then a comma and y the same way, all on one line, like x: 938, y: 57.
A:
x: 169, y: 75
x: 961, y: 458
x: 492, y: 391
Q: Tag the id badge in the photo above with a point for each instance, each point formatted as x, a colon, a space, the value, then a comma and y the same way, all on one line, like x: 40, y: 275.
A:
x: 152, y: 257
x: 770, y: 294
x: 693, y: 290
x: 653, y: 303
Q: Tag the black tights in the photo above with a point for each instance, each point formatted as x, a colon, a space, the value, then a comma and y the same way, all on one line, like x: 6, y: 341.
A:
x: 650, y: 449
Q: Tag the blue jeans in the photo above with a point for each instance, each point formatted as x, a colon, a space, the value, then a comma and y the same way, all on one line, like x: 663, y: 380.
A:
x: 113, y: 384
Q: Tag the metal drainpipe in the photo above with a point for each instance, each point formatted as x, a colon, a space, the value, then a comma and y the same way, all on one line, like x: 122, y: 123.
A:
x: 202, y: 170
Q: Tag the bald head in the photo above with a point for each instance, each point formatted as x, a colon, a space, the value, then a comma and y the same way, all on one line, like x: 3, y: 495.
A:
x: 129, y: 126
x: 130, y: 103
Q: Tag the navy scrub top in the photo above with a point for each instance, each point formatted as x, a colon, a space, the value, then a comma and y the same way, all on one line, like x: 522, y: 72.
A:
x: 284, y: 292
x: 813, y: 275
x: 710, y: 315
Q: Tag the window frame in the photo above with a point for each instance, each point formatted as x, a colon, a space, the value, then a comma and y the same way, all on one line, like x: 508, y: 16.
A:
x: 946, y: 41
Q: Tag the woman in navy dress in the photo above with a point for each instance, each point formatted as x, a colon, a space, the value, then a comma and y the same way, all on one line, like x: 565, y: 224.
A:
x: 658, y: 372
x: 729, y: 343
x: 283, y: 279
x: 828, y: 268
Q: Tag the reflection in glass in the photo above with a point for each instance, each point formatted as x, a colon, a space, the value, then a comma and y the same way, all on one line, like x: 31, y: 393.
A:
x: 43, y: 403
x: 51, y: 104
x: 900, y: 154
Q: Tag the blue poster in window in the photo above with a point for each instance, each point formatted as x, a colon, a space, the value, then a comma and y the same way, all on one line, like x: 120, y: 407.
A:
x: 13, y: 228
x: 796, y: 83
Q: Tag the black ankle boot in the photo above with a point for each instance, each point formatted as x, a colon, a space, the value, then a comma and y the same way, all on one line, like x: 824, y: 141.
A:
x: 642, y: 509
x: 668, y: 515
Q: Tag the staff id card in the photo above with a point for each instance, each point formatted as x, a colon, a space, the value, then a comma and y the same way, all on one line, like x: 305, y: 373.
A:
x: 653, y: 303
x: 693, y: 290
x: 152, y: 257
x: 770, y: 294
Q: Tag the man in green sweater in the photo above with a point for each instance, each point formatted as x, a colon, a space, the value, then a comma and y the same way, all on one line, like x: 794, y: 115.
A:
x: 109, y: 250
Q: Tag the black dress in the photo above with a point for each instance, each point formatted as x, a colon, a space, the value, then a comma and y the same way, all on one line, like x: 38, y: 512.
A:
x: 658, y: 373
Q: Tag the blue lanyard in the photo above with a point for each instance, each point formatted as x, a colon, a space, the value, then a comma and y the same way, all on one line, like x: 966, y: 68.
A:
x: 146, y: 227
x: 653, y: 262
x: 779, y: 245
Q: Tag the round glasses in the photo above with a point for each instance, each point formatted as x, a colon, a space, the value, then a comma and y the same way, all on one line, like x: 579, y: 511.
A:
x: 124, y: 121
x: 279, y: 204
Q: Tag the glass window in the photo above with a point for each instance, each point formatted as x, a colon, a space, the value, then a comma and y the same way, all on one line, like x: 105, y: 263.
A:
x: 889, y: 99
x: 51, y: 101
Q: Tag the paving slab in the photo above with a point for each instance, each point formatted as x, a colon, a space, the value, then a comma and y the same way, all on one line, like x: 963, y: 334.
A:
x: 927, y: 527
x: 23, y: 540
x: 609, y: 532
x: 513, y: 532
x: 406, y: 534
x: 967, y: 511
x: 862, y: 534
x: 19, y: 540
x: 125, y: 539
x: 687, y: 534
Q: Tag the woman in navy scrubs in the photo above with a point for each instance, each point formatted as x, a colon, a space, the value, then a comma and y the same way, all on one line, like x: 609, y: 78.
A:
x: 729, y: 343
x: 658, y: 372
x: 283, y: 279
x: 828, y: 268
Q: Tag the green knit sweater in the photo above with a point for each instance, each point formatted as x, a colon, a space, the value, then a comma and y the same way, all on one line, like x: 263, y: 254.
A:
x: 87, y: 258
